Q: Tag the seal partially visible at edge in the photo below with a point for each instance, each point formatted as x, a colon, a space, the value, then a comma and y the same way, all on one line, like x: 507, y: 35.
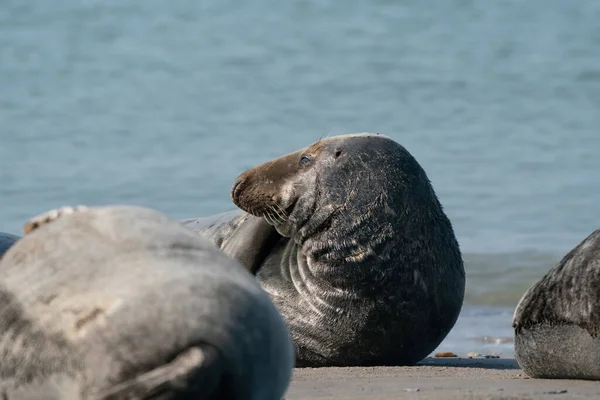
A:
x: 6, y: 241
x: 557, y: 321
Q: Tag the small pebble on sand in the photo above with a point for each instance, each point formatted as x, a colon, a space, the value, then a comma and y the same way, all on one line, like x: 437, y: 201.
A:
x: 446, y: 354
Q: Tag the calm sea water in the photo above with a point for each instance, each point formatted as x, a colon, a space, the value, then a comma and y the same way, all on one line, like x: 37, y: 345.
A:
x: 163, y: 104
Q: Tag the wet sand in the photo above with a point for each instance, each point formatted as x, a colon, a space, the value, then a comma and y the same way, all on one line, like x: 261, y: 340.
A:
x: 435, y: 379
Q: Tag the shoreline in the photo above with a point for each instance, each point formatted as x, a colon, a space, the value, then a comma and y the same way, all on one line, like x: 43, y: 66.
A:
x: 436, y: 379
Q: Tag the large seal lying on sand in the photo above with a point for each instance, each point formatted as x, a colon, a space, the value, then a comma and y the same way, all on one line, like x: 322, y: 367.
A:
x: 557, y: 321
x: 123, y: 303
x: 350, y: 241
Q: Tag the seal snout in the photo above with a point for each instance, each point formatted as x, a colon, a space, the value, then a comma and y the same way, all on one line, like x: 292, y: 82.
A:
x: 236, y: 190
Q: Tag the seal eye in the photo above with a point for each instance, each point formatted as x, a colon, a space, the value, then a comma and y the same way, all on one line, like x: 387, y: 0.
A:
x: 304, y: 160
x: 338, y: 152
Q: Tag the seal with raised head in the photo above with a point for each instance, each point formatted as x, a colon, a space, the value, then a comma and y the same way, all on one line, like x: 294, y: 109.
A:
x: 350, y: 241
x: 122, y: 302
x: 557, y: 321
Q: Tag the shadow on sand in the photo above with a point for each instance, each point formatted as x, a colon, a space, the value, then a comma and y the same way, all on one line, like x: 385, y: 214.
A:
x: 487, y: 363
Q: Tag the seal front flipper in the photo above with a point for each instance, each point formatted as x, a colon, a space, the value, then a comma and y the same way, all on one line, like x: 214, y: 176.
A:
x: 197, y: 370
x: 216, y: 228
x: 252, y: 242
x: 246, y: 238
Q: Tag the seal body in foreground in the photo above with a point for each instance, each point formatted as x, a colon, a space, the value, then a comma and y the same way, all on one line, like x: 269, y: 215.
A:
x: 353, y: 247
x: 122, y: 302
x: 557, y: 321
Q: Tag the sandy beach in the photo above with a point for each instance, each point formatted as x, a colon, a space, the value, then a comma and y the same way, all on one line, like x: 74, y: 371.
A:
x: 436, y: 379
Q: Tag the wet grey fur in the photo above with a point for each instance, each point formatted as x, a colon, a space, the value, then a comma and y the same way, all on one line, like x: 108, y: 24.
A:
x: 557, y: 321
x: 122, y: 302
x: 366, y: 269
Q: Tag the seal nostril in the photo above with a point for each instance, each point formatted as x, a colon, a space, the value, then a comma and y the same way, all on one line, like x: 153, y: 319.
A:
x: 235, y: 190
